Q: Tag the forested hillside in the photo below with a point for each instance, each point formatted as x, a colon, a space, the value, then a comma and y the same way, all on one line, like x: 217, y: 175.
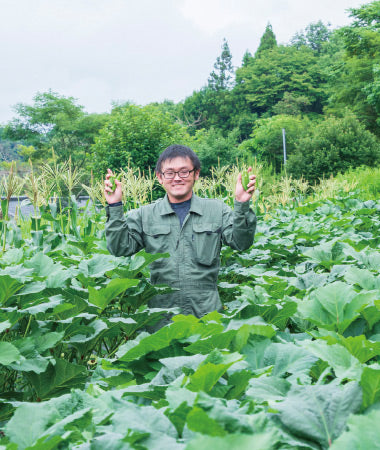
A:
x: 322, y: 88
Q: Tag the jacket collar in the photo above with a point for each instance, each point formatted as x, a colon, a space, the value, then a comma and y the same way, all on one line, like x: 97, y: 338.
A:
x: 195, y: 206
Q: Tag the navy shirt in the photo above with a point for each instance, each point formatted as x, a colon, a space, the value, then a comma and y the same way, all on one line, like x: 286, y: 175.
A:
x: 181, y: 209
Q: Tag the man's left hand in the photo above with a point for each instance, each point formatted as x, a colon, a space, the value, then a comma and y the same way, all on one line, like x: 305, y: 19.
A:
x: 242, y: 195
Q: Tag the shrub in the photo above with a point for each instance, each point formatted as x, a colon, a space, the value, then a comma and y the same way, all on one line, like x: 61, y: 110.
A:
x: 335, y: 145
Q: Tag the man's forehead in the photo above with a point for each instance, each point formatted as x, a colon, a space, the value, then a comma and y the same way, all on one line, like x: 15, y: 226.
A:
x: 177, y: 163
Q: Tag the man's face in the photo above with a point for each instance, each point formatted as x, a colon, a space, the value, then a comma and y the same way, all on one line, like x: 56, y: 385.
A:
x: 178, y: 189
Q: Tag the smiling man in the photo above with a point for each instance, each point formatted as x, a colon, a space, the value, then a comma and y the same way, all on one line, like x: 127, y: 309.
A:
x: 191, y: 229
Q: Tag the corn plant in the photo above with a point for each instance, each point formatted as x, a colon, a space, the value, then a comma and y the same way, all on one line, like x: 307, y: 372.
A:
x: 11, y: 186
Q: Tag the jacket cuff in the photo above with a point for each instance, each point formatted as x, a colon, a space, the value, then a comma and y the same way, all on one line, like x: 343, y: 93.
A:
x: 114, y: 212
x: 242, y: 207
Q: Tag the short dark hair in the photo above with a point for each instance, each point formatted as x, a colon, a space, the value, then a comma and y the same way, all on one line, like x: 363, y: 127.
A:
x: 175, y: 151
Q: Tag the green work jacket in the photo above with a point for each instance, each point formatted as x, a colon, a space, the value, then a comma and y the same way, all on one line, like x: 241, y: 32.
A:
x: 194, y: 248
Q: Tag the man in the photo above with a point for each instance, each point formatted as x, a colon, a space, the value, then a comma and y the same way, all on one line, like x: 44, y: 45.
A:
x: 189, y: 228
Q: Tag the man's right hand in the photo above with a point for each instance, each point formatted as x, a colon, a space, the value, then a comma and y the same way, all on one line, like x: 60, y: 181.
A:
x: 112, y: 196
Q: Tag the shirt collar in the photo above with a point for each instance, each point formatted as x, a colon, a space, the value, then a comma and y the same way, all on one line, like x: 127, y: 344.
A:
x: 195, y: 206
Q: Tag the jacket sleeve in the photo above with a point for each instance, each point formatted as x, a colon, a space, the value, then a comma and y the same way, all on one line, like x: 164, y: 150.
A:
x: 239, y: 226
x: 124, y: 234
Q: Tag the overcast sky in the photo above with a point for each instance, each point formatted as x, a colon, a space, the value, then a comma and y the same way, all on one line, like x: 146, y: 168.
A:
x: 100, y: 51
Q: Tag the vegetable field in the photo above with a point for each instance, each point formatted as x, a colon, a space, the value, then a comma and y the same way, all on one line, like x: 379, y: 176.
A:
x: 292, y: 363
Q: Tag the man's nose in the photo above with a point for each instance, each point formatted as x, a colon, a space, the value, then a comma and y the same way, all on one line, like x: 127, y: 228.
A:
x: 176, y: 174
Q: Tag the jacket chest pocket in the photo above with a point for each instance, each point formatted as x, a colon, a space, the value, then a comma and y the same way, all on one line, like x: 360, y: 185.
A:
x: 206, y: 243
x: 156, y: 237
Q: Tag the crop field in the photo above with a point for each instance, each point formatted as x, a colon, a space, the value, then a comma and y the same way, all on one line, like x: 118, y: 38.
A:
x: 291, y: 363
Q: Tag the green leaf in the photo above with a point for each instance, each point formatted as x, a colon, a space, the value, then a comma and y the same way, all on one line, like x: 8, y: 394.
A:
x: 102, y: 297
x: 358, y: 346
x: 319, y: 413
x: 198, y: 420
x: 138, y: 263
x: 289, y: 358
x: 8, y: 353
x: 208, y: 373
x: 183, y: 327
x: 363, y: 277
x: 12, y: 256
x: 345, y: 365
x: 257, y: 441
x: 58, y: 379
x: 334, y: 306
x: 98, y: 265
x: 327, y: 254
x: 217, y: 341
x: 370, y: 383
x: 8, y: 287
x: 254, y: 352
x: 268, y: 388
x: 362, y: 433
x: 46, y: 443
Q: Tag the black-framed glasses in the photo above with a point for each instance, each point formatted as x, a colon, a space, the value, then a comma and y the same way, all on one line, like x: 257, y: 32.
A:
x: 183, y: 173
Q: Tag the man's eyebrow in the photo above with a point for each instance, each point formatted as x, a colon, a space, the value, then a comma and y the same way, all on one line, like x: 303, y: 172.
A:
x: 181, y: 168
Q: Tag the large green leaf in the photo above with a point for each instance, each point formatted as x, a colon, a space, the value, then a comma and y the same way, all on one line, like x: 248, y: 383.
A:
x: 8, y: 353
x: 98, y: 265
x: 199, y: 421
x: 183, y: 327
x: 8, y: 287
x: 363, y: 277
x: 289, y: 359
x: 58, y: 379
x: 138, y: 262
x: 268, y: 388
x: 360, y: 347
x: 327, y: 254
x: 257, y: 441
x: 334, y: 306
x: 345, y: 365
x: 44, y: 266
x: 319, y: 413
x: 254, y: 352
x: 370, y: 383
x: 362, y: 433
x: 102, y: 297
x: 209, y: 372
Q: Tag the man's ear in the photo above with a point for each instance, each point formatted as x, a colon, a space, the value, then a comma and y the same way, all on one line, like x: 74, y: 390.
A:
x: 196, y: 174
x: 159, y: 177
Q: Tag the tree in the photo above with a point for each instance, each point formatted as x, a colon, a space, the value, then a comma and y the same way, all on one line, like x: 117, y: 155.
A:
x: 221, y: 78
x: 213, y: 148
x: 135, y: 136
x: 335, y: 145
x: 58, y: 122
x: 265, y: 80
x: 315, y: 36
x: 268, y: 40
x: 247, y: 57
x: 292, y: 104
x: 266, y: 142
x: 353, y: 77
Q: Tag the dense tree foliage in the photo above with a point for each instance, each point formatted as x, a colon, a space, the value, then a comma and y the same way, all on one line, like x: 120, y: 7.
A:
x: 335, y: 145
x: 214, y: 149
x: 57, y: 122
x: 266, y: 142
x: 135, y: 136
x: 268, y: 40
